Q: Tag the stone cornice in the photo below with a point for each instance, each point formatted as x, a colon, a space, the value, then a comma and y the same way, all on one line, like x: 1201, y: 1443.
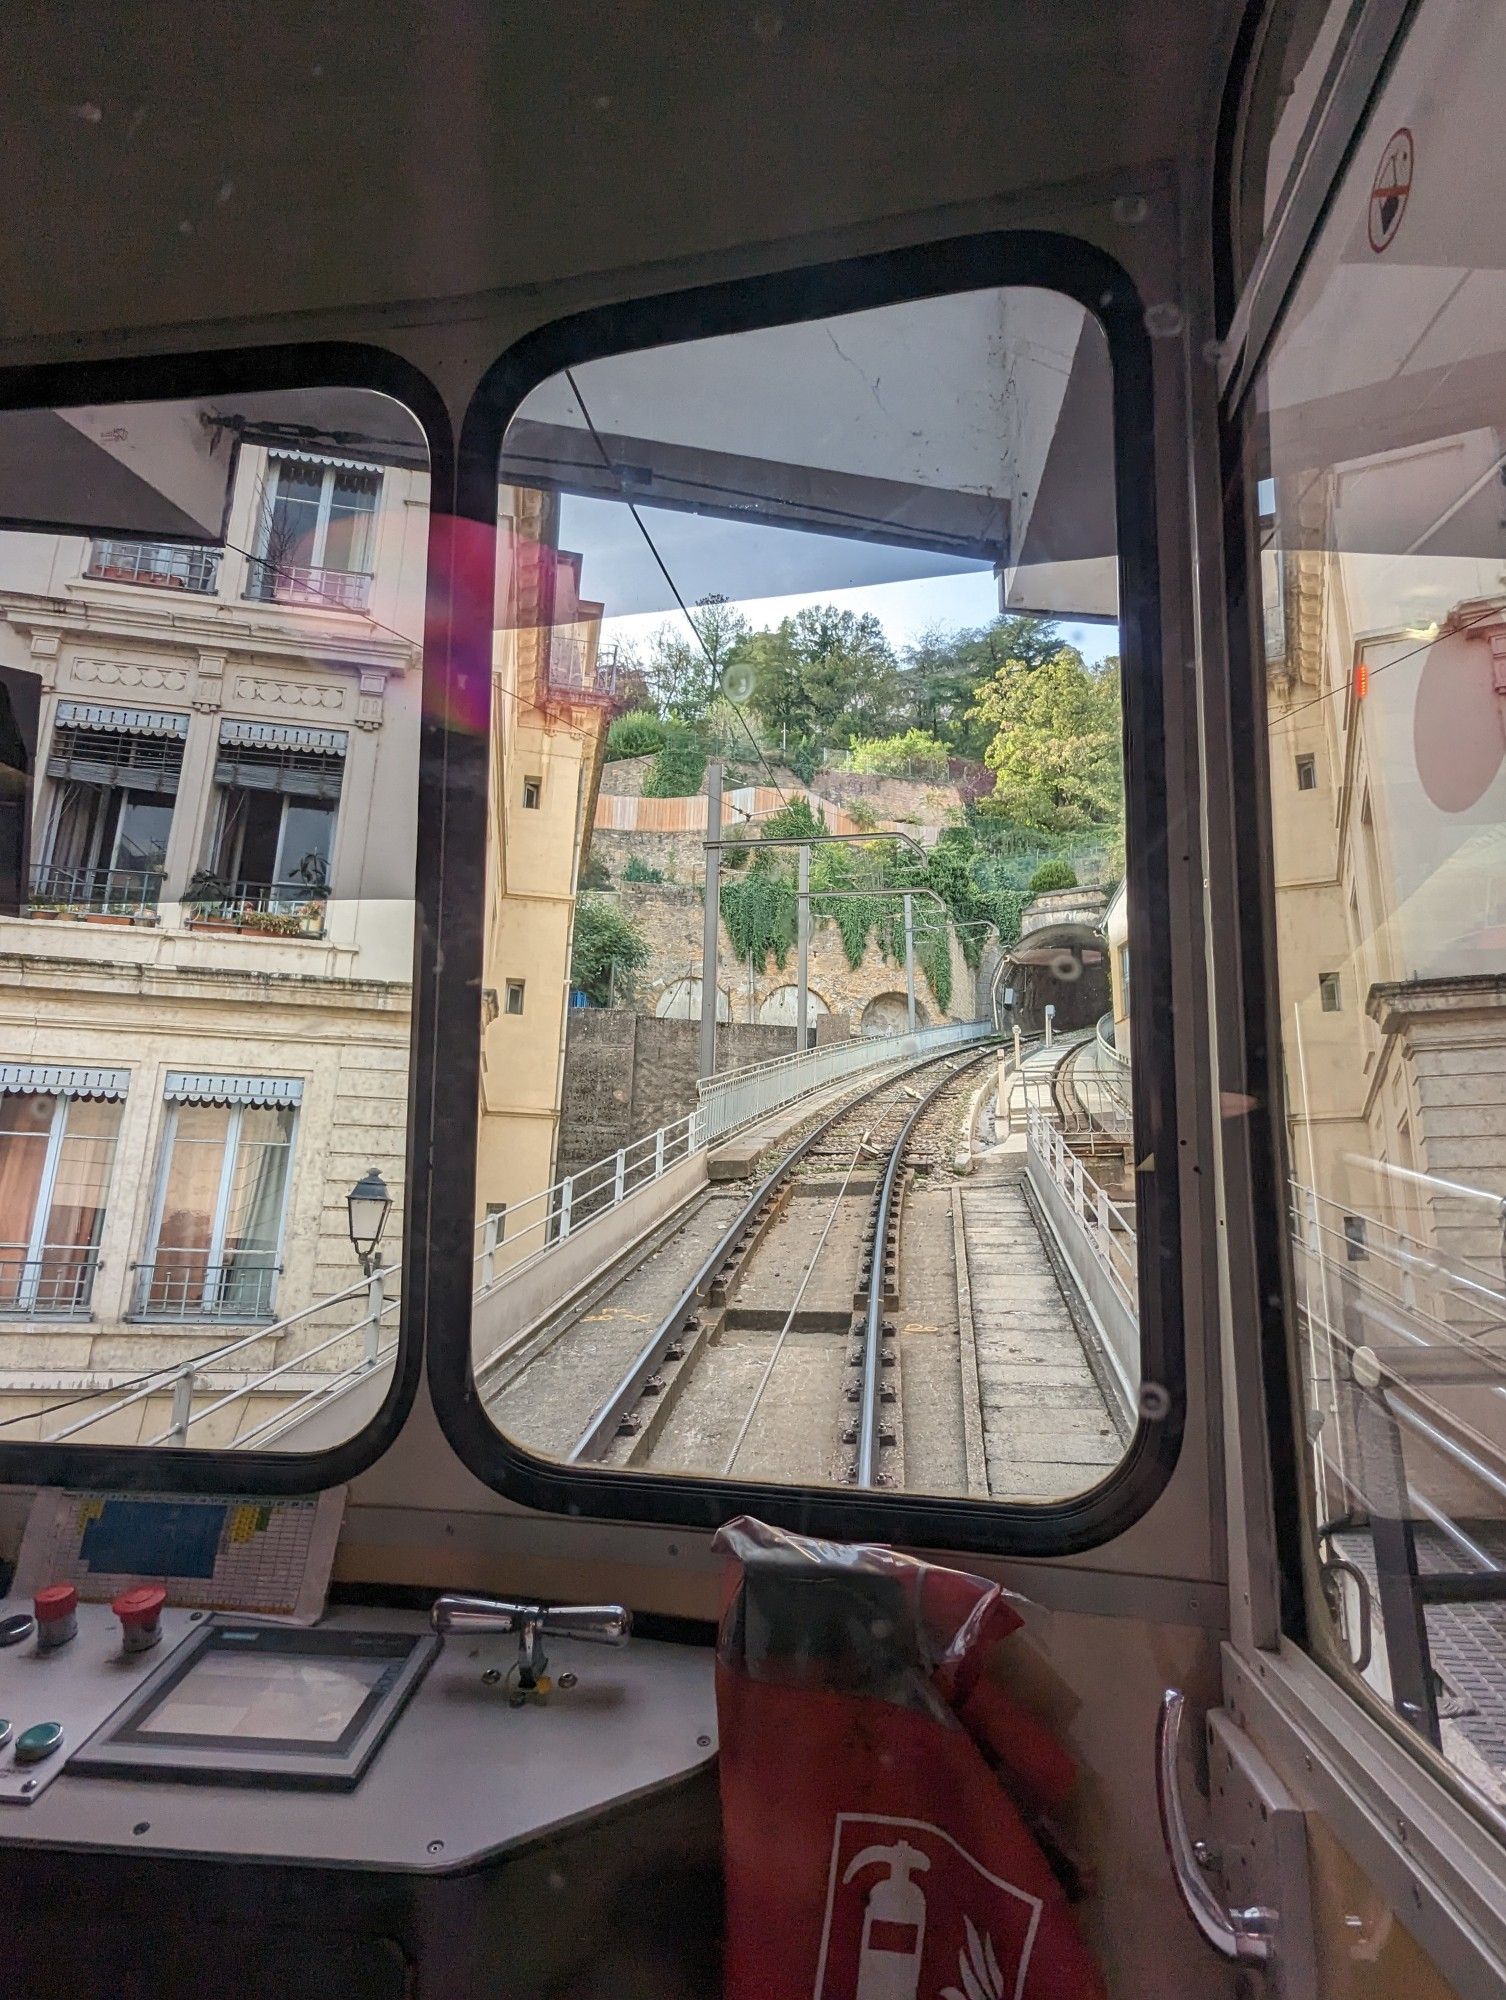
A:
x: 194, y: 630
x: 1397, y: 1002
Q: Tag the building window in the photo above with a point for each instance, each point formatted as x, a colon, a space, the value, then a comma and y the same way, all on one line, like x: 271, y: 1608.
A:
x: 1307, y: 774
x: 1330, y: 998
x: 533, y: 792
x: 274, y: 833
x: 216, y: 1233
x: 316, y: 537
x: 514, y: 996
x: 1124, y: 985
x: 57, y: 1147
x: 109, y: 807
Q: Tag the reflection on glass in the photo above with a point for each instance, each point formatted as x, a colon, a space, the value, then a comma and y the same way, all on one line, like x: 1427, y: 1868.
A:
x: 1383, y: 549
x: 205, y: 1000
x: 847, y: 587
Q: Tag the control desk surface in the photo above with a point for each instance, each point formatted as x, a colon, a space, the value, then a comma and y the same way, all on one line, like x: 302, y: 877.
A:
x: 462, y: 1775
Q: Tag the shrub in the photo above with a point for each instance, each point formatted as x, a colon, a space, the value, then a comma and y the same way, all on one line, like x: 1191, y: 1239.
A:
x: 639, y: 871
x: 607, y: 949
x: 1054, y: 873
x: 915, y: 754
x: 596, y: 874
x: 639, y: 733
x: 862, y: 815
x: 678, y: 769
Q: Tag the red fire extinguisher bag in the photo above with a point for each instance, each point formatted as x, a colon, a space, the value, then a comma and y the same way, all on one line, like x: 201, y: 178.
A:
x: 870, y: 1851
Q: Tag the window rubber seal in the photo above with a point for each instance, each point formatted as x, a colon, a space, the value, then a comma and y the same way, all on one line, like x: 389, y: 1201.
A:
x: 1036, y: 259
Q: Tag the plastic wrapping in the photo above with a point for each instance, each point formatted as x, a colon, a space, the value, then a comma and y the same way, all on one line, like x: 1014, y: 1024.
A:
x: 878, y: 1790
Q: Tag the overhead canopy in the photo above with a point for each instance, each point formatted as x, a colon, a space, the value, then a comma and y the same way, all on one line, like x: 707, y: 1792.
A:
x: 959, y: 431
x: 162, y: 471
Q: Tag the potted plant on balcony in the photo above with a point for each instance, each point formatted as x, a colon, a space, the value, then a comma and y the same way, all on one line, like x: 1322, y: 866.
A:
x: 207, y: 899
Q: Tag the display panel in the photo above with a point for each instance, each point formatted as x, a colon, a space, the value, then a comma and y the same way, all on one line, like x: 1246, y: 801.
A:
x: 252, y: 1703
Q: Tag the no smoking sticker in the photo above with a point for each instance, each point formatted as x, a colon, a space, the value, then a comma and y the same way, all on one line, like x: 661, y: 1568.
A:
x: 1390, y: 190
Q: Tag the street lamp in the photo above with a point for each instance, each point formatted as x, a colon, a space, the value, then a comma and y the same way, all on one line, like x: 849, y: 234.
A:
x: 367, y: 1207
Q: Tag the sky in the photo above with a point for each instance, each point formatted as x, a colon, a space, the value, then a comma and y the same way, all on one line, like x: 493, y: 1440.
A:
x: 905, y: 609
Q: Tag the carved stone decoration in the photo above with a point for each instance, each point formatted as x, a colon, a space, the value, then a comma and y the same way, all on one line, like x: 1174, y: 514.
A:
x: 373, y: 684
x: 130, y: 674
x: 209, y: 688
x: 45, y: 647
x: 289, y: 694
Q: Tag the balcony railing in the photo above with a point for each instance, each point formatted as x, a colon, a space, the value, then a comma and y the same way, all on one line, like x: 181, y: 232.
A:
x: 103, y: 892
x: 56, y: 1285
x: 572, y: 670
x: 266, y: 909
x: 181, y: 1285
x: 161, y: 565
x: 291, y: 583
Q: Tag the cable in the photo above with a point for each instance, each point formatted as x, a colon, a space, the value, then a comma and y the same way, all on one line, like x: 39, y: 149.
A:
x: 632, y: 508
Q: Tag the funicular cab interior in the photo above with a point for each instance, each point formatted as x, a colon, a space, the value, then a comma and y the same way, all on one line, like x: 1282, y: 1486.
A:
x: 642, y: 1353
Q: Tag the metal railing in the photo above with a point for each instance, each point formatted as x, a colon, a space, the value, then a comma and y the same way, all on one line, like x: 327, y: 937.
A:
x: 295, y: 583
x: 1106, y: 1226
x: 106, y: 892
x: 56, y: 1285
x: 271, y: 909
x: 162, y: 565
x: 180, y: 1285
x: 540, y: 1222
x: 744, y: 1095
x: 570, y: 666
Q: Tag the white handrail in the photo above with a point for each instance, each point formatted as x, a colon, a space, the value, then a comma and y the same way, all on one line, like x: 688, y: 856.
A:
x: 1107, y: 1227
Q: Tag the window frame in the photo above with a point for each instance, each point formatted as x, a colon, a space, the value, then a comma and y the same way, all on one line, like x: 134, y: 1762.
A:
x: 1026, y: 258
x: 319, y: 547
x: 151, y: 1242
x: 173, y: 376
x: 37, y: 1245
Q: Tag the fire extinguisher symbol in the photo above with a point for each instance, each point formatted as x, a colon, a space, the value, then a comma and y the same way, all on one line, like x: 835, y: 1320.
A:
x: 894, y: 1923
x: 912, y: 1915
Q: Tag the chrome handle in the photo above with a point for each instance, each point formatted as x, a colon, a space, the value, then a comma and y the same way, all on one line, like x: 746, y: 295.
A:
x: 1244, y: 1937
x: 603, y: 1624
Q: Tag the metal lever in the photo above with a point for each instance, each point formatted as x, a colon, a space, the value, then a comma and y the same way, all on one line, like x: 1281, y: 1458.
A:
x: 603, y: 1624
x: 1244, y: 1937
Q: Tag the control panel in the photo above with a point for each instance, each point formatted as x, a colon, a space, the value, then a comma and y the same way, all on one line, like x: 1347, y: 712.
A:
x: 66, y: 1666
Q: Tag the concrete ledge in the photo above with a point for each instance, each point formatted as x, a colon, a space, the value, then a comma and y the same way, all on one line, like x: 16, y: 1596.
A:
x: 1117, y: 1330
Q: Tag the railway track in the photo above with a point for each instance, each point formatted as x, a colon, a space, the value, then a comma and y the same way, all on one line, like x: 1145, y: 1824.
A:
x: 752, y: 1335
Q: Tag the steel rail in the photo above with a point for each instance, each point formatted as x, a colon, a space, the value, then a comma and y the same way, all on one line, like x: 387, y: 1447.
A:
x: 596, y: 1440
x: 865, y: 1471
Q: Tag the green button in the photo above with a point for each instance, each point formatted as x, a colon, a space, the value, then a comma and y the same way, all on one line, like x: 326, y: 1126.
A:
x: 33, y: 1744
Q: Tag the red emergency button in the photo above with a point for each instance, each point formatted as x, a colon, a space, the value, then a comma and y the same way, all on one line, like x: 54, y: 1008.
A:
x: 56, y: 1608
x: 139, y: 1612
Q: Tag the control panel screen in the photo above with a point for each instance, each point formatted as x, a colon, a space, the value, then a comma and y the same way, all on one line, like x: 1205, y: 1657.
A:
x: 247, y: 1697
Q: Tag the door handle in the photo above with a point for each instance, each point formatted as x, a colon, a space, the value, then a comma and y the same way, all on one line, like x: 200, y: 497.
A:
x: 1243, y: 1937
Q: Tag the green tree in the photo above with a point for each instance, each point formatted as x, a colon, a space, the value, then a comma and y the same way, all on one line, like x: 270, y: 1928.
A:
x: 606, y: 950
x: 1055, y: 743
x: 942, y: 670
x: 825, y: 675
x: 683, y: 670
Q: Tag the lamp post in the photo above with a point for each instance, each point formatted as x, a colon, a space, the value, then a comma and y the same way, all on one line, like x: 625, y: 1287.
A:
x: 367, y: 1207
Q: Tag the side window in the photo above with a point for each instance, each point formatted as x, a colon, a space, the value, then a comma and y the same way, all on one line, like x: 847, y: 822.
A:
x: 1377, y: 424
x: 207, y: 982
x: 818, y: 626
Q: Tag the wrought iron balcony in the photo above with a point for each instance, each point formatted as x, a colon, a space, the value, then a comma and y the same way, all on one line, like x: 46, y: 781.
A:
x: 292, y: 583
x: 264, y: 909
x: 56, y: 1285
x: 161, y: 565
x: 96, y: 892
x: 183, y: 1285
x: 572, y: 670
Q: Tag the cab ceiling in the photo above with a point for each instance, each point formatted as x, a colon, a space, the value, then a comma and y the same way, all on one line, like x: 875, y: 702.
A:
x: 178, y: 163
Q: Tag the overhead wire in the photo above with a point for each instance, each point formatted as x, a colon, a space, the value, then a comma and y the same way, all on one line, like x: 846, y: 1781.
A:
x: 674, y: 588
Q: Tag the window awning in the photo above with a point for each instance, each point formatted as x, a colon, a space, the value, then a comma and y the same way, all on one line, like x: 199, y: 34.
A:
x: 213, y: 1087
x: 128, y: 721
x: 323, y: 458
x: 282, y: 736
x: 64, y: 1080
